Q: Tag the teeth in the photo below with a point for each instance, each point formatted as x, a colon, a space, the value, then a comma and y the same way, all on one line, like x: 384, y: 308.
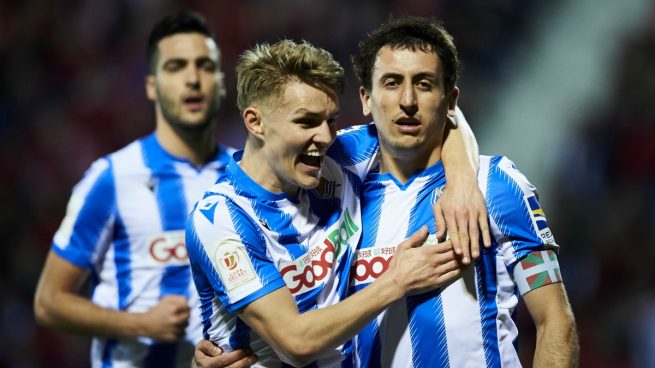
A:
x: 313, y: 154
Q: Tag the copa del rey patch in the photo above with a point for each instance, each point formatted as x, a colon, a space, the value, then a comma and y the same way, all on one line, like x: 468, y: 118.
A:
x: 233, y: 264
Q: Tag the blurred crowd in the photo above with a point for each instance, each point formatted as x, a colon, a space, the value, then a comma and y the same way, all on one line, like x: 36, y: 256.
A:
x: 71, y: 90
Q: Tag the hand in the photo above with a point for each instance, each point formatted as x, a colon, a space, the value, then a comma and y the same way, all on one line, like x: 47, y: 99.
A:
x: 461, y: 211
x: 167, y: 319
x: 208, y: 355
x: 417, y: 269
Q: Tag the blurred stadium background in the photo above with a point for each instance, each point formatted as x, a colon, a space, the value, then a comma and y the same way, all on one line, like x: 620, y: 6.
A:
x: 565, y: 88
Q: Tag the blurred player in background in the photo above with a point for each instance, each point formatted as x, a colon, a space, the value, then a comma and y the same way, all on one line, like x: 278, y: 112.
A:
x: 124, y: 226
x: 408, y: 73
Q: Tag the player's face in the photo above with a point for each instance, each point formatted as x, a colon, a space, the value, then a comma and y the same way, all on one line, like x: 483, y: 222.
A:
x: 408, y: 100
x: 188, y: 84
x: 297, y: 129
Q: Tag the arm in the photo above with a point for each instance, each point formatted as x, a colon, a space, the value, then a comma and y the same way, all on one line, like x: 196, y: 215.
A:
x: 208, y: 355
x: 58, y: 305
x: 297, y: 338
x: 557, y: 339
x: 461, y: 209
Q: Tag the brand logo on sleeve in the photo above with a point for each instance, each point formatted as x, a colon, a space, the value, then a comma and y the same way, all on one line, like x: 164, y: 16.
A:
x: 168, y: 249
x: 233, y: 264
x: 538, y: 218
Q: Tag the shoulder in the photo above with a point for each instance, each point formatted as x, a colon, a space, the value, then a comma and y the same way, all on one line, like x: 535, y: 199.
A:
x: 499, y: 174
x: 355, y: 144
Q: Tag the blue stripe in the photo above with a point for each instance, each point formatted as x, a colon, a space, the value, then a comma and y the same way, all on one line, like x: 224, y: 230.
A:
x: 485, y: 270
x: 123, y: 262
x: 240, y: 338
x: 425, y: 312
x: 372, y: 201
x: 280, y: 223
x: 110, y: 345
x: 201, y: 276
x: 509, y: 211
x: 99, y: 205
x: 172, y: 210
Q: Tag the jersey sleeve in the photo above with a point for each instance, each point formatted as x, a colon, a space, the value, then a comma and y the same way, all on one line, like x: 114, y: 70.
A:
x: 356, y: 149
x: 520, y: 227
x: 86, y: 229
x: 226, y: 245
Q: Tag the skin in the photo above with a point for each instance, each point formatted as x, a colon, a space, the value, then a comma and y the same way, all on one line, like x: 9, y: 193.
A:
x: 403, y: 85
x: 278, y: 170
x: 301, y: 121
x: 187, y: 67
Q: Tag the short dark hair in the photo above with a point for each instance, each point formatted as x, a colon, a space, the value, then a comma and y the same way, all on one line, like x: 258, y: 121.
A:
x: 413, y: 33
x: 181, y: 22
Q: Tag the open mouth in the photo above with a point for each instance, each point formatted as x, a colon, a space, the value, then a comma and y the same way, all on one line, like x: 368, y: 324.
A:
x: 312, y: 159
x: 194, y: 103
x: 408, y: 122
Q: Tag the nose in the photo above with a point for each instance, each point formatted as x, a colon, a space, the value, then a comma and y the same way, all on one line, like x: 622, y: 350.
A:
x: 408, y: 101
x: 192, y: 77
x: 326, y: 133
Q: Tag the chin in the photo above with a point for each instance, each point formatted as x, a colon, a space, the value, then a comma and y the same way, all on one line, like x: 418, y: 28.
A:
x: 309, y: 183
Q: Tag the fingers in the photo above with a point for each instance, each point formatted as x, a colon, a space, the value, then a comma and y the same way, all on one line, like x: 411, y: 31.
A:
x: 208, y: 355
x: 483, y: 222
x: 475, y: 237
x: 208, y: 348
x: 440, y: 221
x: 416, y: 240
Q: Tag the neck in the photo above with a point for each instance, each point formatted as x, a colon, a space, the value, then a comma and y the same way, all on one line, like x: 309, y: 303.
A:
x: 195, y: 145
x: 403, y: 163
x: 254, y: 163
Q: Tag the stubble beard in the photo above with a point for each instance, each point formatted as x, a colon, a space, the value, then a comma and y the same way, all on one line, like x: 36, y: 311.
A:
x: 183, y: 127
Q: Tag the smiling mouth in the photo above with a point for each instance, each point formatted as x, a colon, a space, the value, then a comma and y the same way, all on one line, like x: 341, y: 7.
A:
x: 312, y: 159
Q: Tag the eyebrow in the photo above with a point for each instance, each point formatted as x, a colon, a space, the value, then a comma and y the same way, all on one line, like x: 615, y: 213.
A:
x: 420, y: 75
x: 304, y: 111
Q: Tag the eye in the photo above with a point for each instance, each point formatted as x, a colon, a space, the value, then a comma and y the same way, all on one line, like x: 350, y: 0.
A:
x: 174, y: 65
x: 424, y: 85
x: 390, y: 83
x: 207, y: 65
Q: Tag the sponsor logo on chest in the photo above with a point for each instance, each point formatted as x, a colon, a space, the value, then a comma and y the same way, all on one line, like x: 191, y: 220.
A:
x: 371, y: 263
x: 167, y: 249
x: 311, y: 270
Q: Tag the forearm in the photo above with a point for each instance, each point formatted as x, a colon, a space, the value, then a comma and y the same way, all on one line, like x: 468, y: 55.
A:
x: 332, y: 326
x: 557, y: 345
x: 460, y: 150
x: 75, y: 314
x: 298, y: 338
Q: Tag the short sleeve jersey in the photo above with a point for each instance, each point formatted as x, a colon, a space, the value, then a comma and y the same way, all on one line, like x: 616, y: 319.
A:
x: 245, y: 242
x: 125, y: 223
x: 470, y: 322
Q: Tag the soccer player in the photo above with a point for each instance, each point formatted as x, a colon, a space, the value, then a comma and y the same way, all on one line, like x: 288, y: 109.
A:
x: 271, y: 244
x: 124, y: 226
x: 408, y: 72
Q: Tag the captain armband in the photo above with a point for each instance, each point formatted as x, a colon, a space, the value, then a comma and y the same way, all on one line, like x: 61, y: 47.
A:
x: 537, y: 269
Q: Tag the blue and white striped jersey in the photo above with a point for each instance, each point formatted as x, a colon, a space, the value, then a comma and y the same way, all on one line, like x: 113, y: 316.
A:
x: 470, y: 322
x: 125, y: 223
x: 245, y: 242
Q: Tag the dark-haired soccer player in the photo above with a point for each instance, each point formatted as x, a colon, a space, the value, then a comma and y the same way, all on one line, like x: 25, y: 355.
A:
x: 124, y: 226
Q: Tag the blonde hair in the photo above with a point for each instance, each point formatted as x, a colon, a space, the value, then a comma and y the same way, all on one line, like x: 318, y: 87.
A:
x: 263, y: 71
